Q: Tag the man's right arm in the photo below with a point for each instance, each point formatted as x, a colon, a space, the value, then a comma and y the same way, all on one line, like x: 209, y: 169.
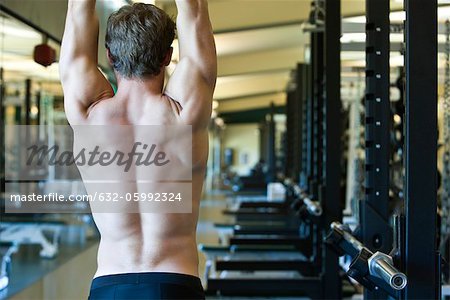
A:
x: 82, y: 82
x: 194, y: 79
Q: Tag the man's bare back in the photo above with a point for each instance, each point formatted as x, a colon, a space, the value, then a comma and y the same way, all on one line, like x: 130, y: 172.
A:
x: 143, y: 242
x: 149, y: 242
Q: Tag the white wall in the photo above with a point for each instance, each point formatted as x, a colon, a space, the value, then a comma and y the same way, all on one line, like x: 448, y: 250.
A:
x: 244, y: 139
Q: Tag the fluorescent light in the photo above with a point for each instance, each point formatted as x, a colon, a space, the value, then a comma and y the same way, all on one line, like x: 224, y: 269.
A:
x: 31, y: 68
x: 18, y: 32
x: 444, y: 13
x: 400, y: 16
x: 145, y: 1
x: 396, y: 37
x: 397, y: 16
x: 352, y: 55
x: 396, y: 61
x: 358, y: 19
x: 359, y: 37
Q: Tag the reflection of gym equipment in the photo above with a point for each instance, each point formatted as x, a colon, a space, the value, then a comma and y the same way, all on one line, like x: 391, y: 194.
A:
x: 32, y: 233
x: 14, y: 234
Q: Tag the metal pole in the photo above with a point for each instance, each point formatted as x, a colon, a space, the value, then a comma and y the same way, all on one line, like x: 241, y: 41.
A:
x: 271, y: 155
x: 310, y: 117
x: 298, y: 123
x: 331, y: 171
x: 374, y: 209
x: 2, y: 131
x: 318, y: 100
x: 306, y: 97
x: 27, y: 101
x: 421, y: 150
x: 290, y: 132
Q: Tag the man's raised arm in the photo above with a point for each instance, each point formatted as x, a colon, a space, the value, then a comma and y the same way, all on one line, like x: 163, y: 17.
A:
x: 194, y: 79
x: 82, y: 82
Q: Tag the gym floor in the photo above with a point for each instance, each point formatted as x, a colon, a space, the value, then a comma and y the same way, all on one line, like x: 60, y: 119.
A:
x: 211, y: 209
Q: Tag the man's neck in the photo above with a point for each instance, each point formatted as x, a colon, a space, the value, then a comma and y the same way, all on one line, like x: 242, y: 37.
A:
x: 146, y: 86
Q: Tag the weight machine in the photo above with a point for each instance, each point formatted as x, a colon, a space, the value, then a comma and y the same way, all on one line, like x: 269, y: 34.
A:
x: 414, y: 246
x: 318, y: 183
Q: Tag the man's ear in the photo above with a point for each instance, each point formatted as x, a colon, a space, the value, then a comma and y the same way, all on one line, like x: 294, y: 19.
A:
x: 108, y: 56
x: 168, y: 57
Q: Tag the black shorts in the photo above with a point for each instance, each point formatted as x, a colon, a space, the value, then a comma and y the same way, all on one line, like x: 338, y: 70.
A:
x: 153, y: 285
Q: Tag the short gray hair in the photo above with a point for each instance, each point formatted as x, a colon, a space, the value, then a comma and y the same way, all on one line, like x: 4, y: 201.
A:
x: 138, y: 38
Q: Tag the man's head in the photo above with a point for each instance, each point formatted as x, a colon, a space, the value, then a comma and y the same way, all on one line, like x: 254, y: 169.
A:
x: 138, y: 40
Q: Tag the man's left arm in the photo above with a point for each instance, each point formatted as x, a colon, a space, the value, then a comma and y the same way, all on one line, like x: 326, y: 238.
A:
x: 83, y: 83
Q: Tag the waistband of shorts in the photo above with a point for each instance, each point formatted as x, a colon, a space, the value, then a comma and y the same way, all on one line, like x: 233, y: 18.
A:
x: 146, y: 277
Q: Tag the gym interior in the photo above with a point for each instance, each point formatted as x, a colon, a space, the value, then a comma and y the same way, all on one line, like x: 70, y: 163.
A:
x: 329, y: 152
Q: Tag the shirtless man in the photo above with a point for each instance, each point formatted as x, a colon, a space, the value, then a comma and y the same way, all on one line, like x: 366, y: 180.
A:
x: 144, y: 256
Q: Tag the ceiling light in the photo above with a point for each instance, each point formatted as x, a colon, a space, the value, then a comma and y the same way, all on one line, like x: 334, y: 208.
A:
x: 397, y: 16
x: 358, y: 19
x: 31, y: 68
x: 145, y: 1
x: 359, y: 37
x: 16, y: 31
x: 444, y: 13
x: 400, y: 16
